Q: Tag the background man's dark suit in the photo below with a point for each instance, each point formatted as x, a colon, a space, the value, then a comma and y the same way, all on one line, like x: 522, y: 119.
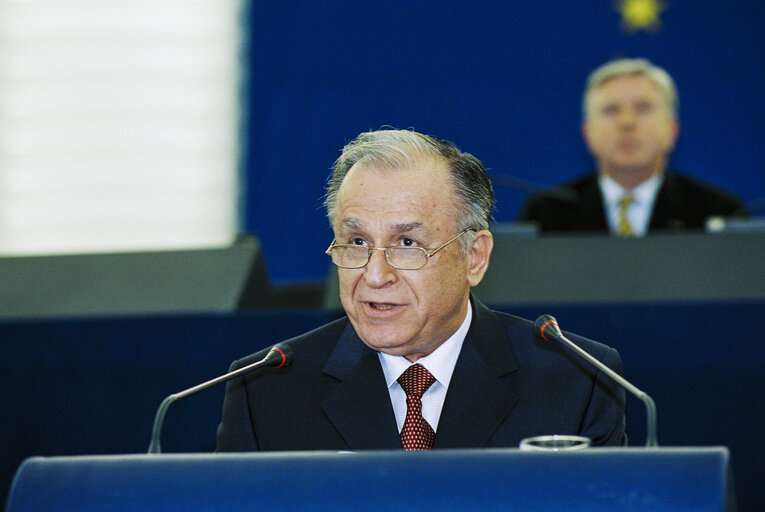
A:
x: 508, y: 384
x: 682, y: 203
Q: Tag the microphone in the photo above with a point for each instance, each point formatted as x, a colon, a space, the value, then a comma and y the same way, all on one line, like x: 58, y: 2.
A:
x: 547, y: 327
x: 279, y: 356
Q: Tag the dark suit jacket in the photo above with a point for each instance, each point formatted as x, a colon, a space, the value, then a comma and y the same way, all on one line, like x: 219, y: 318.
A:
x: 682, y: 203
x: 507, y: 384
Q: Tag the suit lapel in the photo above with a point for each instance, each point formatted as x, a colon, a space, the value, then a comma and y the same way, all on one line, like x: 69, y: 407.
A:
x: 480, y: 394
x: 359, y: 407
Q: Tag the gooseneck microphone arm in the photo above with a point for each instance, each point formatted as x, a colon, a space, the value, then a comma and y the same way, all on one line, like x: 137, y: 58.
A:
x: 279, y: 356
x: 547, y: 327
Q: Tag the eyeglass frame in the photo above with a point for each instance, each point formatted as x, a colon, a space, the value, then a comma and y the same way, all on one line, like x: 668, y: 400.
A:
x: 428, y: 255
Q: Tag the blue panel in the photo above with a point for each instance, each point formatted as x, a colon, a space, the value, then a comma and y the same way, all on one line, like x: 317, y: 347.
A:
x: 508, y: 479
x: 503, y: 80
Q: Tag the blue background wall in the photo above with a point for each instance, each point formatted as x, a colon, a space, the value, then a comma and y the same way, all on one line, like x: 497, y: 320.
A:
x: 503, y: 80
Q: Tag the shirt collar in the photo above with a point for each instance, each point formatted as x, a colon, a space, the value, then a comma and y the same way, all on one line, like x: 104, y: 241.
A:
x: 440, y: 363
x: 643, y: 193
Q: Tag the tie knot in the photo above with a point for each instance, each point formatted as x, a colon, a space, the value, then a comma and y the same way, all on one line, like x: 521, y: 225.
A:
x: 416, y: 380
x: 626, y: 200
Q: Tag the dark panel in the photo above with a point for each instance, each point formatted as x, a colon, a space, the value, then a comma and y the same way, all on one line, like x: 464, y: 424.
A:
x: 599, y: 268
x: 201, y: 280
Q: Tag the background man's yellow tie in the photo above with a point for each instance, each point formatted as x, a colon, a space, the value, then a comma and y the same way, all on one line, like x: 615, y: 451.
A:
x: 625, y: 228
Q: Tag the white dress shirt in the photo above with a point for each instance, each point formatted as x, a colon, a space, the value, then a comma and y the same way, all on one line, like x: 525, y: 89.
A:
x: 440, y: 363
x: 639, y: 212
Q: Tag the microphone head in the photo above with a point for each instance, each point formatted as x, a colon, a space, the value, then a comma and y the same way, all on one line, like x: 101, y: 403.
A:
x: 547, y: 327
x: 279, y: 356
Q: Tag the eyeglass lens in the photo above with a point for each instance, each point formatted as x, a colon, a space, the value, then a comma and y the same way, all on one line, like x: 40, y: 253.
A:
x: 400, y: 257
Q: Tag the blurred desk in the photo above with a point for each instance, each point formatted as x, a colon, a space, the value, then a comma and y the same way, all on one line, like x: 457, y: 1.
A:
x: 128, y: 283
x: 592, y: 269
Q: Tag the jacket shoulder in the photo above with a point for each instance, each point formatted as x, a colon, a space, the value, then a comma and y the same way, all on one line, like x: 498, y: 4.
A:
x: 700, y: 191
x: 572, y: 206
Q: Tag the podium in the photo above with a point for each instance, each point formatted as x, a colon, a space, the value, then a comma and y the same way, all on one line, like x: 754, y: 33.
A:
x: 597, y: 479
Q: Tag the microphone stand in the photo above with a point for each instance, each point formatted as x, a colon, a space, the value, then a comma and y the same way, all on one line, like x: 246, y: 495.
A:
x: 279, y: 356
x: 650, y: 405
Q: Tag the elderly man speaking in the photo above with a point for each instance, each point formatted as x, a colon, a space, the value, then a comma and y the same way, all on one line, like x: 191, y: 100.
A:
x: 416, y: 362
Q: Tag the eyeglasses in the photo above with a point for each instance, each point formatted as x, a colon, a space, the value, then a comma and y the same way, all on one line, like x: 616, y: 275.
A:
x: 401, y: 258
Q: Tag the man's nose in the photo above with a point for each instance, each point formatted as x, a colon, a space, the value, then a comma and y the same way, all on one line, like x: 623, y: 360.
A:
x: 627, y: 117
x: 378, y: 271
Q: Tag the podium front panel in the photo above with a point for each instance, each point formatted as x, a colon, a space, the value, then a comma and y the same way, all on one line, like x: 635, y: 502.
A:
x: 605, y: 479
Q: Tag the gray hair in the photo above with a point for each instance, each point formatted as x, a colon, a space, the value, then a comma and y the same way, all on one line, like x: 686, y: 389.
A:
x: 623, y: 67
x: 399, y: 149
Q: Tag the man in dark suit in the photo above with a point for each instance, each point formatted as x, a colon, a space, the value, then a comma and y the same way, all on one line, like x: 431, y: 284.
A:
x: 630, y: 127
x: 416, y: 363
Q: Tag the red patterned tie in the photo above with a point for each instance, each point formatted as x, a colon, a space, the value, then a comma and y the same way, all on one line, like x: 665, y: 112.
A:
x: 417, y: 434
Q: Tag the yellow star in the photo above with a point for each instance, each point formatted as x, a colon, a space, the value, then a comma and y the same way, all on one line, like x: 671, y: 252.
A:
x: 640, y: 14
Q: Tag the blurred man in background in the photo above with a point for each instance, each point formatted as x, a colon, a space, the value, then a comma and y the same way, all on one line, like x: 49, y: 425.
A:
x: 630, y: 126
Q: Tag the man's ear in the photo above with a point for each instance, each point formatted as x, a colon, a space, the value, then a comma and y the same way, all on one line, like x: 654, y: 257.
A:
x: 584, y: 129
x: 479, y: 255
x: 674, y: 128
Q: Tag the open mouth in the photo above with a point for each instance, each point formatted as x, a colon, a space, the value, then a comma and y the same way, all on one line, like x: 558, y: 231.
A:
x: 381, y: 306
